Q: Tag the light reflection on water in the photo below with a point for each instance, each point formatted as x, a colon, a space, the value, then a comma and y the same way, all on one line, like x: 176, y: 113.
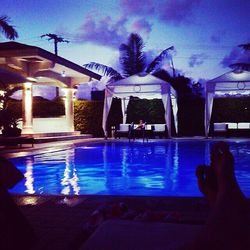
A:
x: 163, y: 168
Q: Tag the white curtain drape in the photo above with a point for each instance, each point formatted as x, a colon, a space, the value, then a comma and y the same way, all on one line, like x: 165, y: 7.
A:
x: 208, y: 111
x: 107, y: 104
x: 124, y: 103
x: 175, y: 111
x: 166, y: 99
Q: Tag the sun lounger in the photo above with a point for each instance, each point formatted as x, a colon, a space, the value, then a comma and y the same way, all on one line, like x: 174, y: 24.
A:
x: 16, y: 141
x: 220, y: 129
x: 232, y: 129
x: 128, y: 235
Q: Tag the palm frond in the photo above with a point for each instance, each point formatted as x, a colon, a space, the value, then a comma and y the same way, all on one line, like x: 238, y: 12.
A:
x: 240, y: 66
x: 7, y: 29
x: 157, y: 62
x: 245, y: 46
x: 132, y: 57
x: 105, y: 70
x: 163, y: 75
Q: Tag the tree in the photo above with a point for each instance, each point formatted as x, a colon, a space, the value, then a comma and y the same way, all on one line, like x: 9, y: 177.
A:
x: 7, y: 29
x: 132, y: 60
x: 242, y: 65
x: 132, y: 57
x: 8, y: 118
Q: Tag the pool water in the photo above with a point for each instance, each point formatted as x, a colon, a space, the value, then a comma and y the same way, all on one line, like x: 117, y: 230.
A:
x: 161, y: 168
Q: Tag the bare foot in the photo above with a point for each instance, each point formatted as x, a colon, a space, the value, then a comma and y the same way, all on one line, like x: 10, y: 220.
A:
x: 207, y: 183
x: 218, y: 179
x: 227, y: 225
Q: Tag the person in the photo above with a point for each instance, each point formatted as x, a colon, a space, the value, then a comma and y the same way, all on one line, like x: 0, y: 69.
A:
x: 15, y: 230
x: 141, y: 125
x: 227, y: 226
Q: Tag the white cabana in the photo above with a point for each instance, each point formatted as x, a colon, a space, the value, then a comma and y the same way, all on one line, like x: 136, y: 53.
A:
x: 143, y: 86
x: 231, y: 83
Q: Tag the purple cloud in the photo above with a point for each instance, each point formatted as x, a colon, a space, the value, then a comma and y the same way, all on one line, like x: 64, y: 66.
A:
x: 104, y: 31
x: 137, y: 7
x: 196, y: 59
x: 175, y: 11
x: 236, y: 55
x: 141, y: 25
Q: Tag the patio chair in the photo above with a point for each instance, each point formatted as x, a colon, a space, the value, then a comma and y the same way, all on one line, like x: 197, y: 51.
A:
x: 144, y: 132
x: 159, y: 130
x: 122, y: 130
x: 220, y: 129
x: 244, y: 129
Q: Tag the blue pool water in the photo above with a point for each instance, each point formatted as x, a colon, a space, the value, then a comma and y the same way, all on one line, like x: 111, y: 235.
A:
x: 162, y: 168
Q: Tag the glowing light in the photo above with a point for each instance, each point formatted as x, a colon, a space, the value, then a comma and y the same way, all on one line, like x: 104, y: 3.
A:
x: 63, y: 73
x: 30, y: 200
x: 32, y: 79
x: 1, y: 94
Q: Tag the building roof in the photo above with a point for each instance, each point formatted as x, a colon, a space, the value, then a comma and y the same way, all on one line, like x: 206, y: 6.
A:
x: 28, y: 53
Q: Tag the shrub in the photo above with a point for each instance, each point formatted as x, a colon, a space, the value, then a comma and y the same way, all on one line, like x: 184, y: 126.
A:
x: 88, y: 117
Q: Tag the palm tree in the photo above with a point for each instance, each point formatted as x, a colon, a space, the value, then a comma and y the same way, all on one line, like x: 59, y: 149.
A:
x: 242, y: 65
x: 132, y: 60
x: 7, y: 29
x: 132, y: 57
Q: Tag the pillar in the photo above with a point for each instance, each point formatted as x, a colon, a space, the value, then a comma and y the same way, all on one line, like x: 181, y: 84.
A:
x: 69, y: 108
x: 27, y: 113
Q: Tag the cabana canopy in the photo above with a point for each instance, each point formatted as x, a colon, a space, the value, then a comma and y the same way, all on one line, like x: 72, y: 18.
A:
x: 143, y: 86
x: 230, y: 83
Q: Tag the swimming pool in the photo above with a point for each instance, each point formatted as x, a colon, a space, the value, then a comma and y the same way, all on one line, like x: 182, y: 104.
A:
x: 154, y: 168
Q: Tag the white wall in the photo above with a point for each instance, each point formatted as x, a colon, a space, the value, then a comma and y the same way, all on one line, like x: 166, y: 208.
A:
x: 49, y: 125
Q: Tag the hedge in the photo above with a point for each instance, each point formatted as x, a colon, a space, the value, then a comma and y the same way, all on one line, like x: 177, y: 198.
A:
x: 88, y: 117
x: 88, y: 114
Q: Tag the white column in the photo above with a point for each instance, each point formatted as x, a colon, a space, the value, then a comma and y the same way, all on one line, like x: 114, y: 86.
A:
x: 69, y: 108
x: 27, y: 104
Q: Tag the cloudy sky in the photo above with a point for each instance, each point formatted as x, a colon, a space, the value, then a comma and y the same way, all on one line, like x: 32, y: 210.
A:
x: 205, y: 33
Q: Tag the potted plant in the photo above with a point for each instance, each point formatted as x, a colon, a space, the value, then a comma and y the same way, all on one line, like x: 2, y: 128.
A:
x: 8, y: 118
x: 8, y: 123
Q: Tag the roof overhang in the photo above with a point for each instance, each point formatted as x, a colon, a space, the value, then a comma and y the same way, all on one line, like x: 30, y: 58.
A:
x: 140, y: 85
x: 232, y: 83
x: 45, y: 67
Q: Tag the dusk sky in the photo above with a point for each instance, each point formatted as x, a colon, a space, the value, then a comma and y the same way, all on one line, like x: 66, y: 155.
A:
x: 205, y: 33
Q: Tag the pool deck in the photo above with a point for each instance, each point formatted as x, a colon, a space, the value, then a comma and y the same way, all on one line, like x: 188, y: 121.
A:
x: 60, y: 221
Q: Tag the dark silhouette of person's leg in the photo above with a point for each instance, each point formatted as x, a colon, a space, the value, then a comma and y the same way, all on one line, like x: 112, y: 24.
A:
x: 15, y: 230
x: 227, y: 225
